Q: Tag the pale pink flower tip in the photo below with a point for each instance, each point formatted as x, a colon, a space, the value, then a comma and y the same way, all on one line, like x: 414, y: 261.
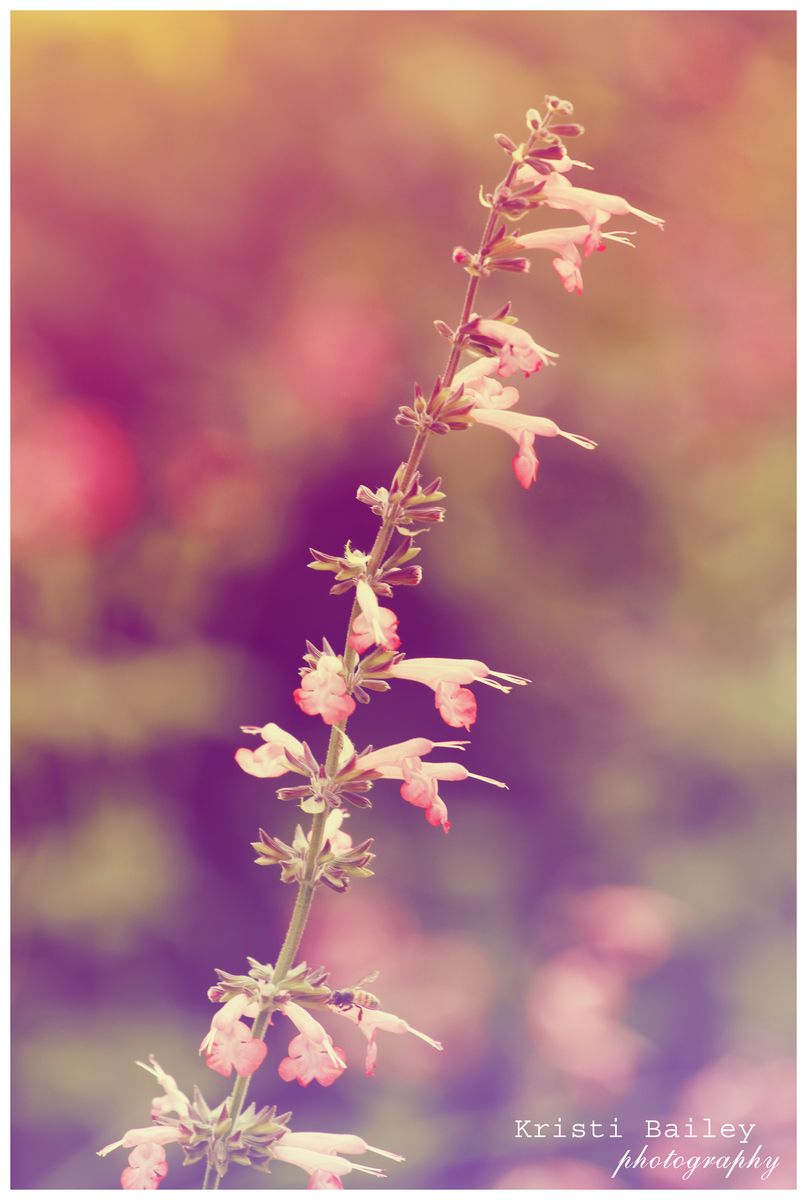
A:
x: 147, y: 1168
x: 456, y: 705
x: 312, y: 1054
x: 385, y: 633
x: 269, y: 760
x: 324, y: 692
x: 324, y: 1181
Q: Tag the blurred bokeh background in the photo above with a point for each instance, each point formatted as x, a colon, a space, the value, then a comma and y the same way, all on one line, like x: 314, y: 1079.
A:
x: 232, y: 232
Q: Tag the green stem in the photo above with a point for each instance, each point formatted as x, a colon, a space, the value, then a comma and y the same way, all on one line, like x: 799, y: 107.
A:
x: 307, y: 885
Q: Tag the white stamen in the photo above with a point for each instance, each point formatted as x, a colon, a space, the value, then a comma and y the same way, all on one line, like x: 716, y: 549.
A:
x: 585, y: 442
x: 387, y: 1154
x: 517, y: 679
x: 425, y: 1038
x: 108, y: 1149
x: 496, y: 782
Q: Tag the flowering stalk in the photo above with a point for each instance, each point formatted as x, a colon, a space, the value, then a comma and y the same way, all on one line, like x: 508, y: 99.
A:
x: 332, y: 684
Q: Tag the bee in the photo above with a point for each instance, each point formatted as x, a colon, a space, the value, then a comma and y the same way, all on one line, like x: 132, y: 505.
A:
x: 355, y: 997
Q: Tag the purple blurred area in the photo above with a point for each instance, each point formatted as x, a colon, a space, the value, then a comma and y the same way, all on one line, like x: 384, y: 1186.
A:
x: 232, y: 232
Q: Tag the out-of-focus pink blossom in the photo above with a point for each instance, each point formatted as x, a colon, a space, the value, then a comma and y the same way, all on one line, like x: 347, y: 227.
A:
x: 268, y: 761
x: 312, y: 1054
x: 517, y: 350
x: 573, y: 1007
x: 74, y: 478
x: 229, y: 1042
x: 632, y: 926
x: 323, y: 691
x: 556, y: 1174
x: 374, y: 1021
x: 147, y: 1168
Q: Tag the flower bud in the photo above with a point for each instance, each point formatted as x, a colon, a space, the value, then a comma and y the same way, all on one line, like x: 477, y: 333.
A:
x: 568, y: 130
x: 533, y: 119
x: 505, y: 142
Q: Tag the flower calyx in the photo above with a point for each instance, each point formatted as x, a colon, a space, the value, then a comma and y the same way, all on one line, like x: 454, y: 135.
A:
x: 441, y: 413
x: 346, y: 567
x: 247, y: 1143
x: 406, y: 503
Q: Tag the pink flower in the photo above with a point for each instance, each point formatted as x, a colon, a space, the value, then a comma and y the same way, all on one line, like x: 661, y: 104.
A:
x: 517, y: 350
x: 312, y: 1054
x: 525, y: 460
x: 229, y: 1042
x: 323, y: 691
x: 375, y: 625
x: 594, y: 207
x: 564, y: 243
x: 269, y: 760
x: 373, y: 1021
x: 524, y: 428
x: 147, y: 1162
x: 455, y: 703
x: 480, y: 388
x: 420, y: 785
x: 147, y: 1168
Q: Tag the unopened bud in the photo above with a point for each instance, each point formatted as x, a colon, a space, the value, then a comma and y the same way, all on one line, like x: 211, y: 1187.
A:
x: 568, y: 130
x: 461, y: 256
x: 505, y: 142
x: 533, y: 119
x: 444, y: 330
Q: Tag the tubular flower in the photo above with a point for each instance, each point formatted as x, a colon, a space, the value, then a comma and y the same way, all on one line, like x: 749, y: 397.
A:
x: 517, y: 350
x: 455, y: 703
x: 594, y: 207
x: 324, y: 692
x: 318, y: 1163
x: 373, y: 1021
x: 480, y: 388
x: 524, y: 428
x: 269, y: 760
x: 392, y: 756
x: 564, y: 243
x: 312, y: 1054
x: 420, y: 784
x: 229, y: 1042
x: 374, y: 626
x: 148, y: 1165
